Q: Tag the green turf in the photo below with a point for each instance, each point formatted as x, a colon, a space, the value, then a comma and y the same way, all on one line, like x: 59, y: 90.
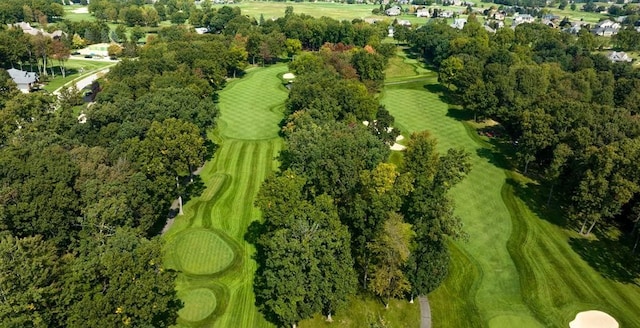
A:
x: 247, y: 134
x: 77, y: 17
x: 199, y: 304
x: 201, y: 252
x: 517, y: 269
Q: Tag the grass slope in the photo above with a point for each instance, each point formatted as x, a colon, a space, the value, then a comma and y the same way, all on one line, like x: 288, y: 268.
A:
x: 516, y: 270
x: 249, y: 141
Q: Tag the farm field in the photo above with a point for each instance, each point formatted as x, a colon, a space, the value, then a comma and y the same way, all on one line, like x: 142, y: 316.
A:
x: 520, y: 266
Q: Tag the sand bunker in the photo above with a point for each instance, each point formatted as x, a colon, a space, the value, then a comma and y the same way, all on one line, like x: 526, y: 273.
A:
x: 593, y: 319
x: 398, y: 147
x: 288, y: 76
x: 83, y: 10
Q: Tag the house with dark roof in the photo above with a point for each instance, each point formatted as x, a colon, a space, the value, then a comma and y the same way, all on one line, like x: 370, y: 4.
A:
x: 606, y: 28
x: 26, y: 81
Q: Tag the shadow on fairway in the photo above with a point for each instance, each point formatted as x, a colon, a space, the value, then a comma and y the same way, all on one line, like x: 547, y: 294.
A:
x: 608, y: 258
x: 443, y: 93
x: 535, y: 197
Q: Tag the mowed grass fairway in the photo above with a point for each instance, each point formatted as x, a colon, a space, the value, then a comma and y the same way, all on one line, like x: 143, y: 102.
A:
x: 517, y: 269
x: 208, y: 242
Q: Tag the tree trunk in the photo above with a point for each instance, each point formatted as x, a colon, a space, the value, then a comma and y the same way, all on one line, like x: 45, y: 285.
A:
x: 550, y: 192
x: 584, y: 224
x: 591, y: 227
x: 386, y: 305
x: 179, y: 197
x: 411, y: 301
x: 633, y: 251
x: 526, y: 167
x: 294, y: 325
x: 329, y: 319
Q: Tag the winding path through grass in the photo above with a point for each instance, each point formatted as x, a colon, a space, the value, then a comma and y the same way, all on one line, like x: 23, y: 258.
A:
x: 516, y: 270
x: 247, y: 134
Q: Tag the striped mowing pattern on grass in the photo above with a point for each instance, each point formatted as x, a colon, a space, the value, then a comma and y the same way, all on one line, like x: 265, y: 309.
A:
x: 202, y: 252
x: 251, y: 108
x: 516, y: 270
x: 248, y: 128
x: 198, y: 304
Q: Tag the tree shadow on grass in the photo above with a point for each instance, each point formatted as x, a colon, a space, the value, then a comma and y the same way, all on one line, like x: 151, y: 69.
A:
x: 443, y: 93
x: 609, y: 257
x: 535, y: 197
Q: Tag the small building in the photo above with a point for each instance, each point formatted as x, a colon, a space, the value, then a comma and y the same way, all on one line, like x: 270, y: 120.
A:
x: 606, y: 28
x: 446, y: 14
x: 459, y: 23
x: 423, y: 12
x: 393, y: 11
x: 404, y: 22
x: 28, y: 29
x: 26, y: 81
x: 619, y: 57
x: 521, y: 19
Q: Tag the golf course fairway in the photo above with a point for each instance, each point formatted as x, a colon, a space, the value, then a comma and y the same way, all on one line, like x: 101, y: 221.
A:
x: 516, y: 269
x: 207, y: 243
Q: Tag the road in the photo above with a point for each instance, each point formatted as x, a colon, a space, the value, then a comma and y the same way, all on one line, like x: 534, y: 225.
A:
x: 86, y: 81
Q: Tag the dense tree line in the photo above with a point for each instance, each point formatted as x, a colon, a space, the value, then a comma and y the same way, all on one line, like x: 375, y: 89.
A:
x: 339, y: 219
x: 39, y: 11
x: 80, y: 203
x: 571, y: 112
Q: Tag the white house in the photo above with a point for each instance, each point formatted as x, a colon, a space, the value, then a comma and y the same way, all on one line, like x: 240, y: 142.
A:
x: 23, y: 79
x: 393, y: 11
x: 619, y: 57
x: 520, y: 19
x: 606, y: 28
x: 446, y: 14
x: 423, y: 12
x: 459, y: 23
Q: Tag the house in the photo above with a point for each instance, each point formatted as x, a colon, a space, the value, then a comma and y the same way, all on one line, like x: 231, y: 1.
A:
x: 618, y: 57
x: 520, y: 19
x: 393, y: 11
x: 446, y: 14
x: 549, y: 23
x: 606, y: 28
x: 498, y: 16
x: 26, y: 81
x: 423, y: 12
x: 459, y: 23
x: 404, y: 22
x: 201, y: 30
x: 28, y: 29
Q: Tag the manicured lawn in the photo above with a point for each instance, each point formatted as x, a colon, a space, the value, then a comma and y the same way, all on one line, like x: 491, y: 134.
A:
x: 77, y: 17
x: 519, y: 267
x: 214, y: 224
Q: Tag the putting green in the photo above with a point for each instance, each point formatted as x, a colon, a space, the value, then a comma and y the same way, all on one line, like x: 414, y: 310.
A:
x: 202, y: 252
x: 198, y: 304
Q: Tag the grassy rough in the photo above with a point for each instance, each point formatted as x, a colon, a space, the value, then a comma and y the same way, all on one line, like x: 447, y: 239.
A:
x: 518, y: 268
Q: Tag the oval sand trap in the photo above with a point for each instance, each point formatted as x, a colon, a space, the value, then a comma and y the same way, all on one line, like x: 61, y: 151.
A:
x: 198, y: 304
x: 202, y: 252
x: 593, y: 319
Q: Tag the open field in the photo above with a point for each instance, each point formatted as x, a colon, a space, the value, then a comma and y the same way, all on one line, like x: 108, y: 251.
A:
x: 520, y: 266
